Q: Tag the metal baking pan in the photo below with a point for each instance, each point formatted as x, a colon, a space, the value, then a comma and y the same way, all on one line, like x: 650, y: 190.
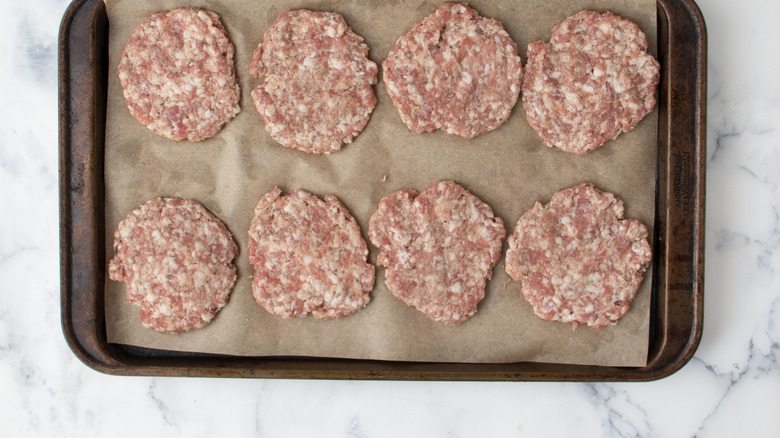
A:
x: 678, y: 271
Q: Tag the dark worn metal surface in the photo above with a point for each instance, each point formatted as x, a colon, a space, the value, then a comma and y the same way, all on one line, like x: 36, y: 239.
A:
x: 678, y: 280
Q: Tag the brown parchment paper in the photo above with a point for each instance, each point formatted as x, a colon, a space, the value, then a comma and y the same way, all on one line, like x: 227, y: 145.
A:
x: 508, y: 168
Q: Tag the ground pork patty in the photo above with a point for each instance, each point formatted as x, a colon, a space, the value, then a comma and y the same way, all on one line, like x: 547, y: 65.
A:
x: 177, y: 261
x: 439, y: 248
x: 592, y: 81
x: 578, y: 259
x: 455, y: 71
x: 177, y: 74
x: 317, y: 92
x: 308, y: 256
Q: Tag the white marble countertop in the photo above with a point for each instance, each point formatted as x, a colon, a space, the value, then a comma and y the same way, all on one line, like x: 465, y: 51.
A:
x: 730, y: 388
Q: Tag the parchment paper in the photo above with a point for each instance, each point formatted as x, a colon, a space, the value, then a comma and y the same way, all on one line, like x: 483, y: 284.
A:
x: 508, y: 168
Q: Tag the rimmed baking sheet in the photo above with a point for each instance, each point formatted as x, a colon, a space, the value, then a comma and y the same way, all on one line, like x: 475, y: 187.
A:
x: 679, y: 166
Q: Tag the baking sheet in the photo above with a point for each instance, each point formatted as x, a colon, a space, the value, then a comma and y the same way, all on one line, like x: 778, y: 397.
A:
x: 508, y: 168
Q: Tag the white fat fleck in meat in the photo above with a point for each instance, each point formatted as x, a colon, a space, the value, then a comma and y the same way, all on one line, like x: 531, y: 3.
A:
x: 579, y: 265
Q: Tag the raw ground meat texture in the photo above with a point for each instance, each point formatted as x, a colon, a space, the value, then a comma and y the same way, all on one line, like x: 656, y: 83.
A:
x: 591, y: 82
x: 455, y: 71
x: 177, y: 74
x: 317, y: 92
x: 308, y: 256
x: 177, y: 261
x: 439, y: 248
x: 578, y: 260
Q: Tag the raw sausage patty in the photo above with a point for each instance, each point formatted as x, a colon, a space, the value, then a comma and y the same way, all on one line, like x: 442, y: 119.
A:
x: 578, y: 259
x: 177, y: 74
x: 439, y: 248
x: 177, y: 261
x: 317, y: 92
x: 592, y: 81
x: 308, y: 256
x: 454, y: 71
